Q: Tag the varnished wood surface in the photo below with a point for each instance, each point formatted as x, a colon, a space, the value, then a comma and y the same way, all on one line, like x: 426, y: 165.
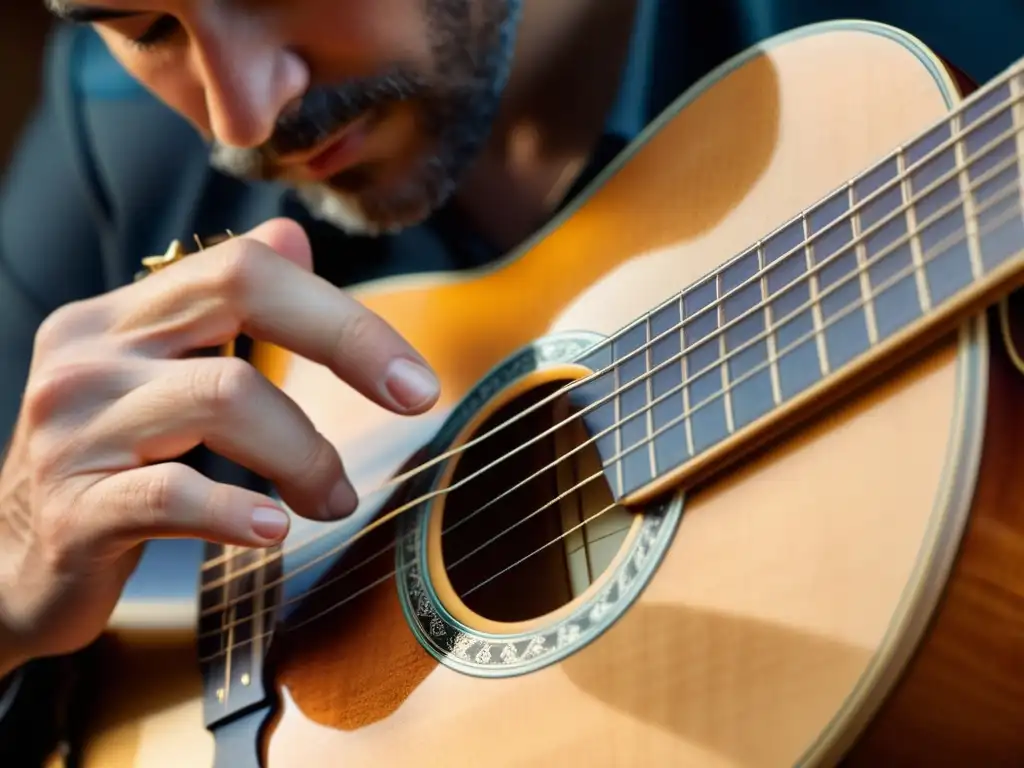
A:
x: 149, y: 713
x: 786, y: 574
x: 763, y: 636
x: 962, y: 699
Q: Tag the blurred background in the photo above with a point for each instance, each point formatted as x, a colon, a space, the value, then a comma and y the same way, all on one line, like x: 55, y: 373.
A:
x: 23, y: 27
x: 980, y: 38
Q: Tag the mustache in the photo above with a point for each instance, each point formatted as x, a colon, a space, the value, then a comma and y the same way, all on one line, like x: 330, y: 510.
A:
x: 320, y: 113
x: 324, y: 110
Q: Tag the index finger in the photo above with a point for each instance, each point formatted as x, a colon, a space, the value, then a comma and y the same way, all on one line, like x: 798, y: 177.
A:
x: 244, y: 286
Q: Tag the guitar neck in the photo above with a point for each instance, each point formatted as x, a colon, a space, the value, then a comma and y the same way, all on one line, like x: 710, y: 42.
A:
x: 876, y: 270
x: 239, y: 589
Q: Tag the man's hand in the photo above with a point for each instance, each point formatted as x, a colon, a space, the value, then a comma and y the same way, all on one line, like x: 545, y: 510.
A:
x: 114, y: 398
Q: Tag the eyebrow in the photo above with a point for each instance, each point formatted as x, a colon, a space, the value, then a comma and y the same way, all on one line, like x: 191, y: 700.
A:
x: 84, y: 14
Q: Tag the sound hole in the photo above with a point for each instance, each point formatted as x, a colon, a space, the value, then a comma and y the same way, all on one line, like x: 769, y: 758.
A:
x: 534, y: 532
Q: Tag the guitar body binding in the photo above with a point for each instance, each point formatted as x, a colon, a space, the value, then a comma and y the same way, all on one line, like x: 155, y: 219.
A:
x: 821, y: 599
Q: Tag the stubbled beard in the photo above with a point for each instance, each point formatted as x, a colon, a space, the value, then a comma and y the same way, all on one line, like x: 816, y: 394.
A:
x: 454, y: 108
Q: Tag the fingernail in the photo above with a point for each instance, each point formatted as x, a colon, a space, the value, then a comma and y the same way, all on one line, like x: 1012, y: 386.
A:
x: 343, y: 499
x: 410, y: 384
x: 269, y: 523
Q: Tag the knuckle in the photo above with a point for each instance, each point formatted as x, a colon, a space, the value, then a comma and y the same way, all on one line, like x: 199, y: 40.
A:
x: 142, y: 499
x: 52, y: 389
x: 42, y: 396
x: 158, y: 494
x: 356, y: 341
x: 238, y: 268
x: 227, y: 386
x: 318, y: 464
x: 60, y: 326
x: 218, y: 504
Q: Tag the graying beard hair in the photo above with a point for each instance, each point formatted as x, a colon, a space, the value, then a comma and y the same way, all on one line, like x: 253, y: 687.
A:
x: 343, y: 212
x: 236, y: 161
x: 497, y: 39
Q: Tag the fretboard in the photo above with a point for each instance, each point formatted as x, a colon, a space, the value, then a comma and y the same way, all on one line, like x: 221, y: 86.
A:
x: 917, y: 241
x: 238, y: 594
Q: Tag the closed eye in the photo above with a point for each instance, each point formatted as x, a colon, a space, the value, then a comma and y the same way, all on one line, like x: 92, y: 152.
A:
x: 156, y: 33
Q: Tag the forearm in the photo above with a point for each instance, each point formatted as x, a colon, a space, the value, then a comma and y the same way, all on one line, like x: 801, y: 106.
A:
x: 34, y: 692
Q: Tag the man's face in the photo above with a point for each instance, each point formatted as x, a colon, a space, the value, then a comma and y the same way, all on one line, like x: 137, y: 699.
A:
x: 372, y: 109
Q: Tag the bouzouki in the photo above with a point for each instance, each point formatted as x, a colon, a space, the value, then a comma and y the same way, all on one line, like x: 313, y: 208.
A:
x: 710, y: 483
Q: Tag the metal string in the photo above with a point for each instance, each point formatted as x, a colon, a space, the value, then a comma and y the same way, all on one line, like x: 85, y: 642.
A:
x: 807, y: 275
x: 383, y: 579
x: 928, y: 257
x: 954, y: 138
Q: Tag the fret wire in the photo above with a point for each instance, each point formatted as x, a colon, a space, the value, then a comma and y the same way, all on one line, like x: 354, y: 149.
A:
x: 352, y: 596
x: 812, y: 289
x: 649, y: 394
x: 769, y: 327
x: 684, y: 370
x: 939, y: 248
x: 972, y: 99
x: 216, y: 561
x: 723, y: 357
x: 241, y: 643
x: 961, y: 154
x: 1017, y: 112
x: 861, y: 251
x: 688, y: 407
x: 259, y: 582
x: 882, y: 189
x: 924, y: 294
x: 967, y: 196
x: 528, y: 555
x: 561, y: 497
x: 228, y: 615
x: 839, y: 315
x: 875, y: 227
x: 616, y: 388
x: 959, y: 109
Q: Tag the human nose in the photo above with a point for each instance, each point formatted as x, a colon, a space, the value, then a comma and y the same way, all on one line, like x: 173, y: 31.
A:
x: 248, y: 80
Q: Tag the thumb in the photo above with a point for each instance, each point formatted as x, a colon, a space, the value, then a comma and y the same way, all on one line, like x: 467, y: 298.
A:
x: 285, y: 237
x: 174, y: 501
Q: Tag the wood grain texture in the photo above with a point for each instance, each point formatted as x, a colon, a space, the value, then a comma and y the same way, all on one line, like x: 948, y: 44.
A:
x: 356, y: 665
x: 961, y: 701
x: 765, y: 634
x: 771, y: 613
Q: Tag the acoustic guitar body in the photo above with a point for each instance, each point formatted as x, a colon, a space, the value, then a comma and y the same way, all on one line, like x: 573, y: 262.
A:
x: 852, y: 589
